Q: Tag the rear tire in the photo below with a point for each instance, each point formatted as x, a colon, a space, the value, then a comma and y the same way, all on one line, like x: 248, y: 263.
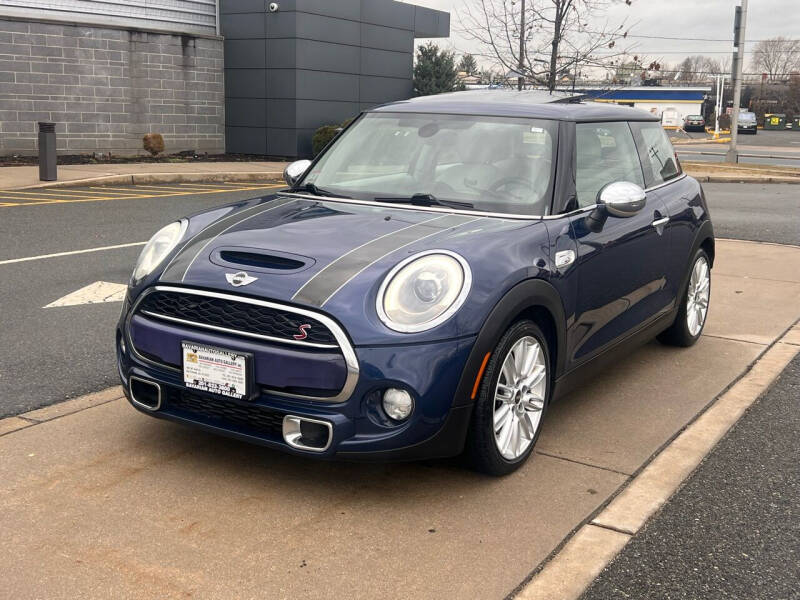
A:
x: 691, y: 318
x: 513, y: 397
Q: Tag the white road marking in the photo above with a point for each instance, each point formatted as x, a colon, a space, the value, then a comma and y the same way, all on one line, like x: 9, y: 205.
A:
x: 94, y: 293
x: 70, y: 253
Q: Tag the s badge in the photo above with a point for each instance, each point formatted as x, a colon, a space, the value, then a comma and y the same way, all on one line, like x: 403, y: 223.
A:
x: 303, y: 332
x: 239, y: 279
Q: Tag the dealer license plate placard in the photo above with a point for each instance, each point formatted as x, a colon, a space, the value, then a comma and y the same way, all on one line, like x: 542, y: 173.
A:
x: 216, y: 370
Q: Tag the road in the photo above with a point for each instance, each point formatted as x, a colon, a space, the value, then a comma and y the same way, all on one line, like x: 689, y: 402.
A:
x: 765, y: 144
x: 51, y: 354
x: 752, y: 211
x: 733, y: 530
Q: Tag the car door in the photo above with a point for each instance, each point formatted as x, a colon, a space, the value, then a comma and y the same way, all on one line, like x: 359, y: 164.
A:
x: 621, y: 266
x: 664, y: 177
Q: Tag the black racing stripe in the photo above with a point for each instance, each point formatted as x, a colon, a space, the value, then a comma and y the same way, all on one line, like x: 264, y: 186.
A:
x: 326, y: 282
x: 179, y: 265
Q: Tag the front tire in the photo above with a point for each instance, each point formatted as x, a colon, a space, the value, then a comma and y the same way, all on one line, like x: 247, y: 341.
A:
x: 691, y: 318
x: 513, y: 397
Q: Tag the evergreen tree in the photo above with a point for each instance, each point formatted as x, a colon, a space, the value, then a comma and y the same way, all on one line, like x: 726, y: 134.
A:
x: 468, y: 64
x: 435, y: 71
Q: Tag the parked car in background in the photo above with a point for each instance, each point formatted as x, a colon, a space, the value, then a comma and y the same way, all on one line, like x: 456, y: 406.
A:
x: 427, y: 286
x: 694, y: 123
x: 747, y: 123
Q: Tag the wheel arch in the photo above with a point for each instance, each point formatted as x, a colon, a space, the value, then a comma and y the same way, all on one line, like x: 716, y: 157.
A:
x: 535, y: 299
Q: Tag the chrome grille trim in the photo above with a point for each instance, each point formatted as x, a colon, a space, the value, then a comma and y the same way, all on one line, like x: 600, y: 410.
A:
x: 259, y: 336
x: 351, y: 361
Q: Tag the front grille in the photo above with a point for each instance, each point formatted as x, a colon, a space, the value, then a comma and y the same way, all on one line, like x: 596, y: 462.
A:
x: 236, y: 316
x: 247, y: 418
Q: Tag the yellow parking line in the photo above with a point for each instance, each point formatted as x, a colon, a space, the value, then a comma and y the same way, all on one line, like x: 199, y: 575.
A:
x: 66, y: 194
x: 186, y: 192
x: 176, y: 188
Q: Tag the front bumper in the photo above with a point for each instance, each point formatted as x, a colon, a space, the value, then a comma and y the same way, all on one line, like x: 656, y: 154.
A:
x: 358, y: 427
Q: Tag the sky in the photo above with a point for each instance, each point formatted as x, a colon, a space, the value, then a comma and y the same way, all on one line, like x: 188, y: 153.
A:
x: 671, y: 18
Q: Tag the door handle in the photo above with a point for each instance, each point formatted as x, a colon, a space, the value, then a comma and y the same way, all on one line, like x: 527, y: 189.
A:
x: 659, y: 222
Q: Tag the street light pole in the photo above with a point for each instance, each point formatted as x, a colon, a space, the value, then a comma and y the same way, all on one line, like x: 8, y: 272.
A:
x: 740, y: 22
x: 521, y: 64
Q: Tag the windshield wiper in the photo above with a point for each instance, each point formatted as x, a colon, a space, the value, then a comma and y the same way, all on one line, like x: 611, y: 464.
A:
x: 426, y: 200
x: 317, y: 191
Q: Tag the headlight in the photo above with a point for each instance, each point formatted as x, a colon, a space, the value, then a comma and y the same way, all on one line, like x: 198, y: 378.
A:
x: 157, y: 249
x: 423, y: 291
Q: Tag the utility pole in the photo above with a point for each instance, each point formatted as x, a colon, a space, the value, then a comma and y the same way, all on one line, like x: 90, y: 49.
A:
x: 521, y: 64
x: 739, y: 24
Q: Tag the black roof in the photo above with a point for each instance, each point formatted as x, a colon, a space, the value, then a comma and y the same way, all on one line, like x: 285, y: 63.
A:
x: 539, y: 104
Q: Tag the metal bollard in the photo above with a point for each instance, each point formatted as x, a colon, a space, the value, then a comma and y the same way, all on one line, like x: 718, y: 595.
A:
x: 48, y: 169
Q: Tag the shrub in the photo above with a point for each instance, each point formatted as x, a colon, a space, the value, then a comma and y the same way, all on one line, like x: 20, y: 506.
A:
x: 153, y: 143
x: 325, y: 134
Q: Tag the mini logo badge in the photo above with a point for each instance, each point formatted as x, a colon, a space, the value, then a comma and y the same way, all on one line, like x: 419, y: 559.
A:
x: 239, y: 279
x: 303, y: 332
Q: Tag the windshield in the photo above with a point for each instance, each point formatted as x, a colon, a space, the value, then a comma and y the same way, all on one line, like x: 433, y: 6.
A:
x: 747, y: 116
x: 493, y: 164
x: 695, y: 117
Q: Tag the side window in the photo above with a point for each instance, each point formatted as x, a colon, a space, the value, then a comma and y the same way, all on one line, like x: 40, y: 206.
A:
x: 658, y: 155
x: 605, y: 153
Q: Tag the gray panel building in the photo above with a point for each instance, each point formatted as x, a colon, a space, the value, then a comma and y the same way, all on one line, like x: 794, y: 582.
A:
x: 109, y: 71
x: 312, y: 63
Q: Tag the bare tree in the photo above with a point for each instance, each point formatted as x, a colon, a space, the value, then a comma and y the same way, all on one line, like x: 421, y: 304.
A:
x: 543, y: 40
x: 698, y: 68
x: 777, y: 57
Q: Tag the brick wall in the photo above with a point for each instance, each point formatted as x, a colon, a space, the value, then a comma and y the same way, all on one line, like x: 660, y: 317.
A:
x: 106, y: 88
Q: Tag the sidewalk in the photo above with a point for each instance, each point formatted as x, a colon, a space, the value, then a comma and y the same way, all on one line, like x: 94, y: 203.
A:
x: 132, y: 173
x: 195, y: 172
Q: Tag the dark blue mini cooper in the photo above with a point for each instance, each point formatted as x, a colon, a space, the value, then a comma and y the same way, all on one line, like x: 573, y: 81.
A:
x: 427, y: 286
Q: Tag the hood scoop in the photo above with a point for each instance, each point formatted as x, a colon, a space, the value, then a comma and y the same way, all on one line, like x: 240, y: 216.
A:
x: 262, y: 261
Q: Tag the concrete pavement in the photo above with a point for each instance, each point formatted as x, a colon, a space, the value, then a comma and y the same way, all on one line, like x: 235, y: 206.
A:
x: 135, y: 173
x: 118, y: 504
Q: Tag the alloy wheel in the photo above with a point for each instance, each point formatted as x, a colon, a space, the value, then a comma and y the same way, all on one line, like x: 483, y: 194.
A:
x: 697, y: 296
x: 519, y: 397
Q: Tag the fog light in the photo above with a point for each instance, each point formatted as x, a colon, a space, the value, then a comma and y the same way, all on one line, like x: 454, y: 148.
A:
x: 398, y: 404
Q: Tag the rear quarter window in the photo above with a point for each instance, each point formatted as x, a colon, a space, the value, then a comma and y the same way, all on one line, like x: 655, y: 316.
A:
x: 659, y: 162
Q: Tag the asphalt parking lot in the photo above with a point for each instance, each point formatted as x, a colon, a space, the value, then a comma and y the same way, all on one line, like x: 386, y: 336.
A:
x: 767, y: 147
x: 134, y: 506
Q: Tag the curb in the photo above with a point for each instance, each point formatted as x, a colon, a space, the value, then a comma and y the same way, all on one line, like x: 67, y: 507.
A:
x: 576, y: 564
x: 742, y: 179
x: 150, y: 178
x: 60, y: 409
x: 694, y: 141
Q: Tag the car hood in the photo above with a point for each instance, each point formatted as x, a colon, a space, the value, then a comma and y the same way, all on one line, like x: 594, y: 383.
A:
x: 326, y: 255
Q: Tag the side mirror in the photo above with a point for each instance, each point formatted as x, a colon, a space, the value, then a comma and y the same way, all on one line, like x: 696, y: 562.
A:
x: 619, y: 199
x: 622, y: 198
x: 295, y: 171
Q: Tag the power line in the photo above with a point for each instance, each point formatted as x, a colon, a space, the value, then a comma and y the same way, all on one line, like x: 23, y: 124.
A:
x: 691, y: 39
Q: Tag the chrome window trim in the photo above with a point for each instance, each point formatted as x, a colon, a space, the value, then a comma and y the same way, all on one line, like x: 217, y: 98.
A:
x: 350, y: 359
x: 593, y: 206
